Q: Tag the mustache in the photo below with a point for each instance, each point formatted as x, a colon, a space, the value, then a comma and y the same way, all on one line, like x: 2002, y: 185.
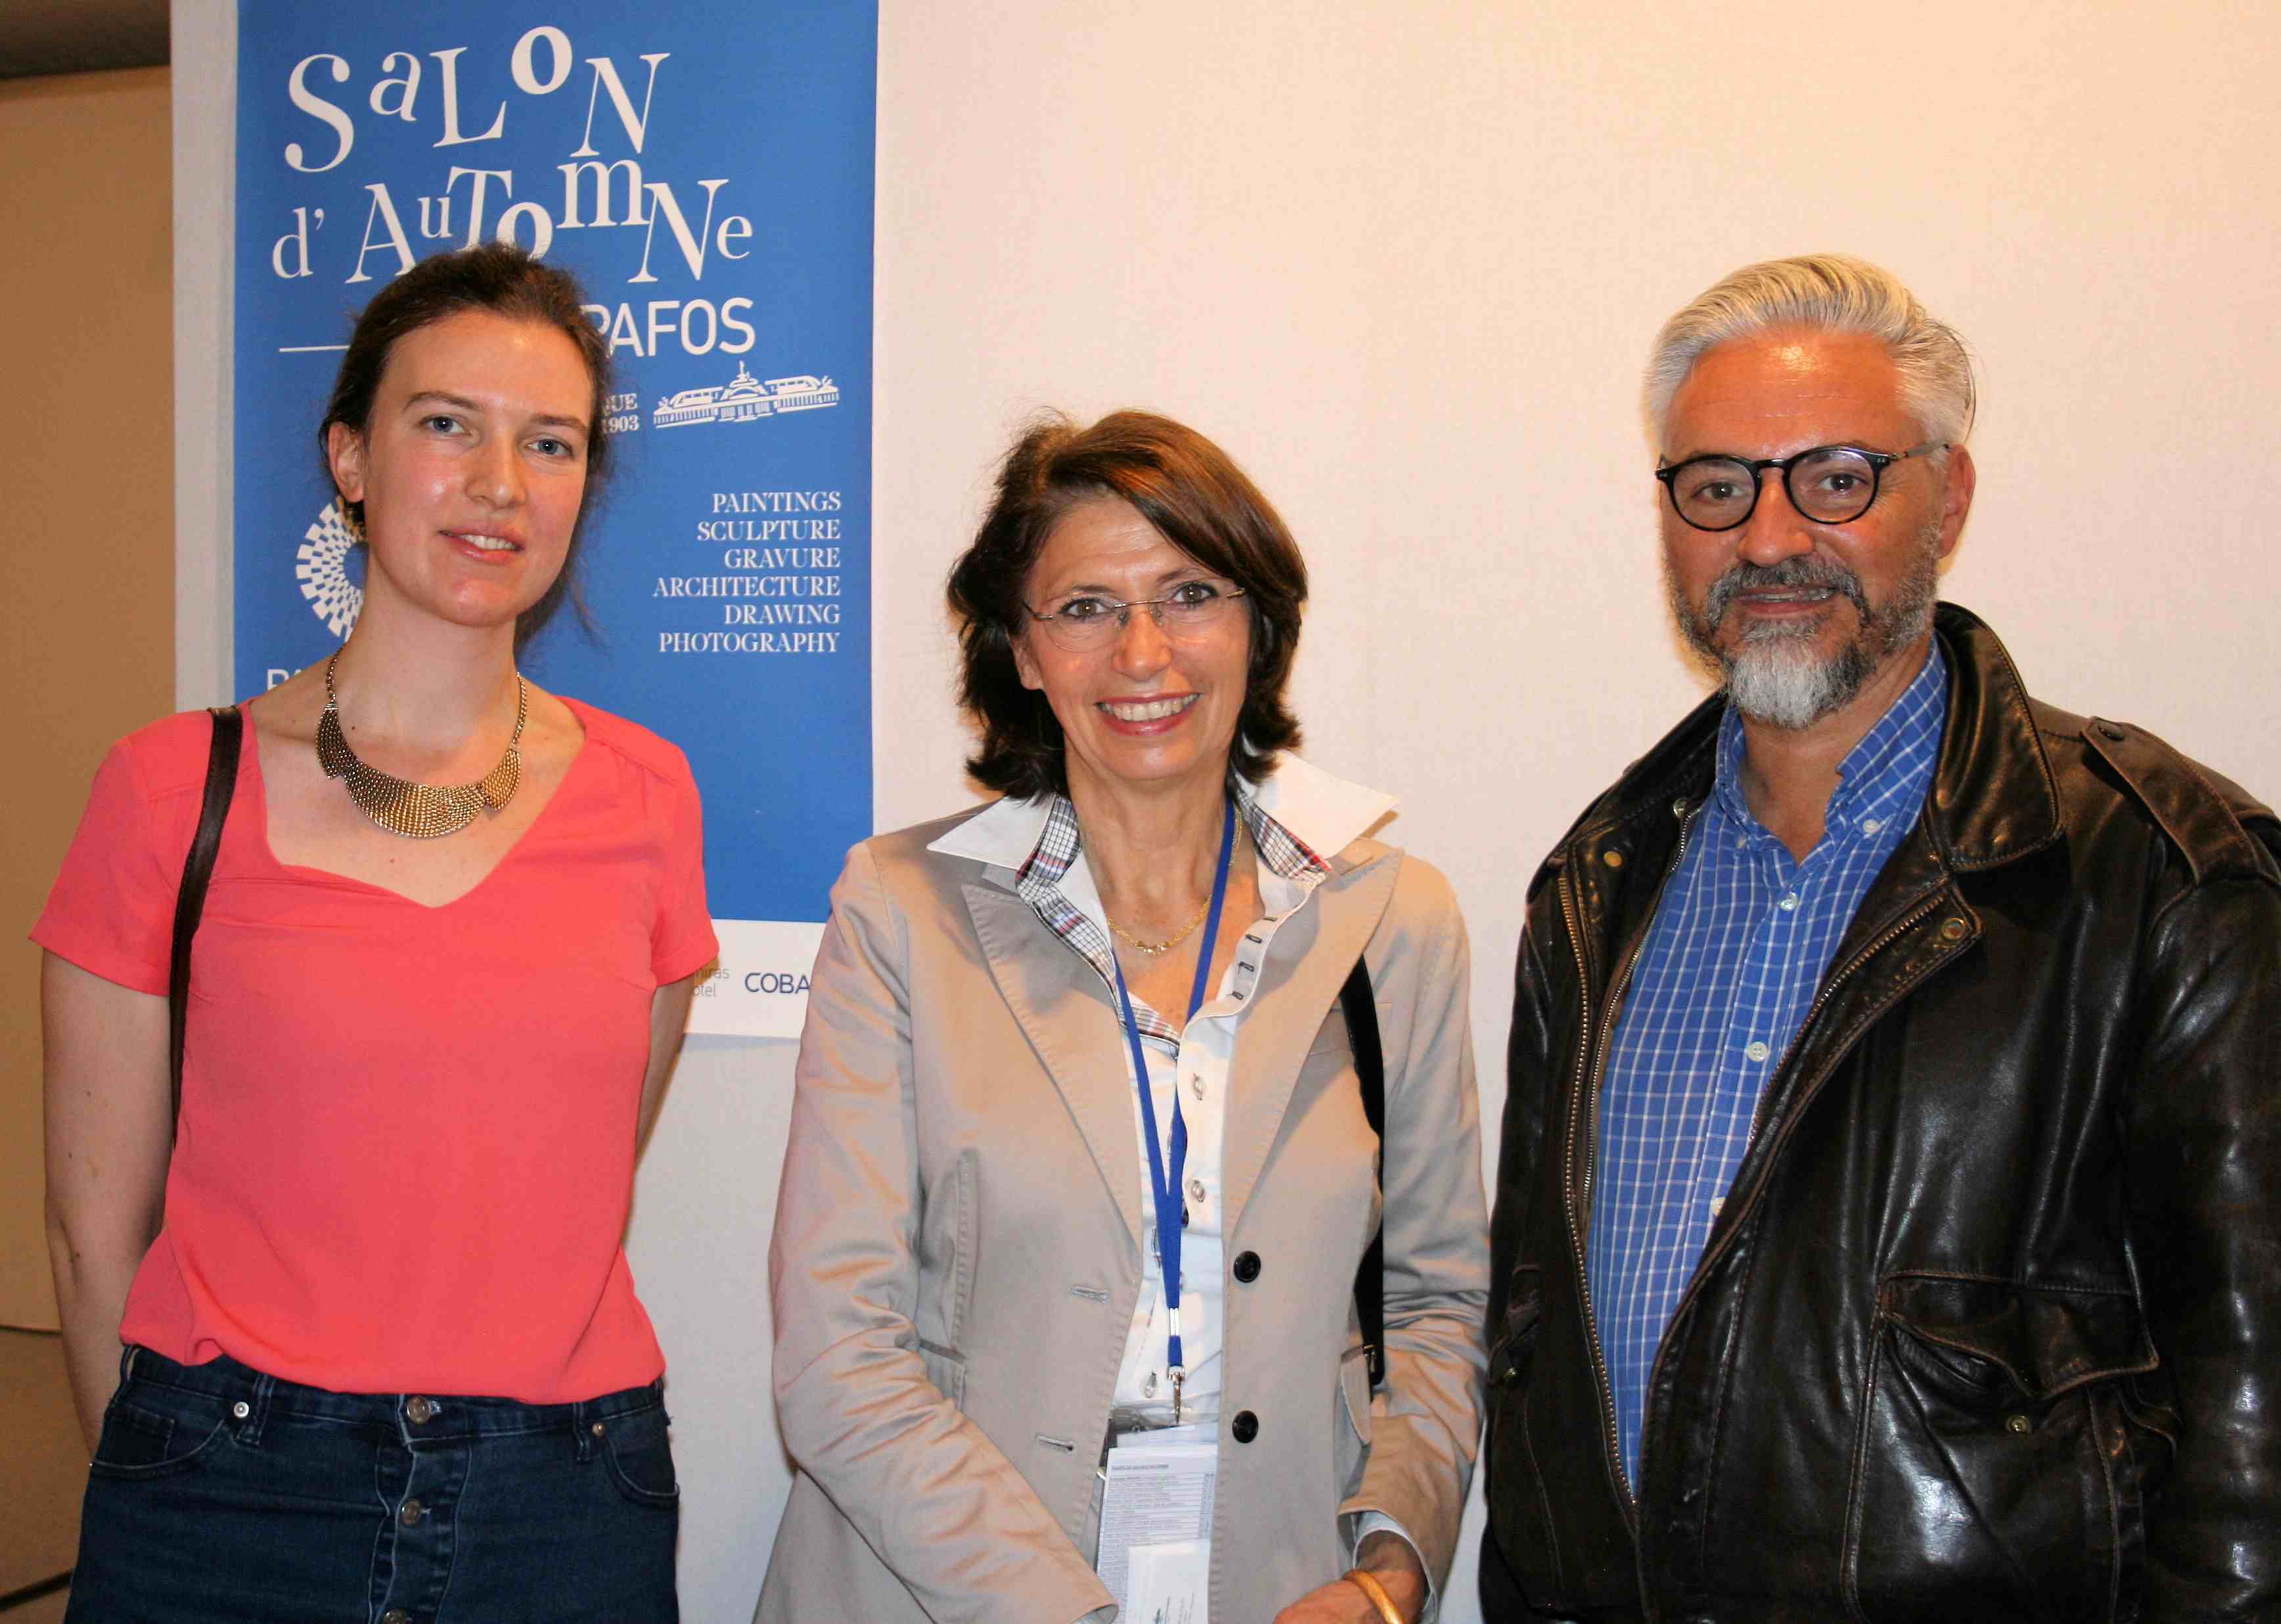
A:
x: 1806, y: 570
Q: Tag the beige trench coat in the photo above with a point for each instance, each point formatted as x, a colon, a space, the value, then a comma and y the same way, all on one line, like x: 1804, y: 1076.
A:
x: 957, y: 1250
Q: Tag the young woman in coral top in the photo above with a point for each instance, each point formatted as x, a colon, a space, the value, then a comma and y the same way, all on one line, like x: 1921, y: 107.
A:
x: 362, y: 1344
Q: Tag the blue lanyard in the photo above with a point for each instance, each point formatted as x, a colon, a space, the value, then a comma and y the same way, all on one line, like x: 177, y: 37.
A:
x: 1172, y: 1215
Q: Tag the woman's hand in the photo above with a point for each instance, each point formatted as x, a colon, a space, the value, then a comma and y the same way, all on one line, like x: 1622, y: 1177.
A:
x: 1386, y: 1557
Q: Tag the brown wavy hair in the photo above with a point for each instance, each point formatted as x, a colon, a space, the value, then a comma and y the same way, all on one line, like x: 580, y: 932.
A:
x: 1195, y: 496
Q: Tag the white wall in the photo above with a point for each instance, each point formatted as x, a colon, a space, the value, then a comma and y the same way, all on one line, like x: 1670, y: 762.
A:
x: 1403, y: 260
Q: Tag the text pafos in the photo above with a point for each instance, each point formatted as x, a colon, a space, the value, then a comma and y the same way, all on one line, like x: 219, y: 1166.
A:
x: 584, y: 193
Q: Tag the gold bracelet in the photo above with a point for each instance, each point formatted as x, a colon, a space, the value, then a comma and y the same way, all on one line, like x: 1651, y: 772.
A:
x: 1376, y: 1591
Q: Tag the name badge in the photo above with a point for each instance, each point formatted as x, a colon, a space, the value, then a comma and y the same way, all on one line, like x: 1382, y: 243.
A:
x: 1155, y: 1522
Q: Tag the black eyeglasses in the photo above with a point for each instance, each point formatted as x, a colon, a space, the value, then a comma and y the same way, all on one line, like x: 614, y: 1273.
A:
x: 1830, y: 485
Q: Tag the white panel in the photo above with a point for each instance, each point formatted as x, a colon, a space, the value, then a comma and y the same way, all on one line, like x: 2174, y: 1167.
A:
x: 204, y: 85
x: 698, y: 1247
x: 759, y: 988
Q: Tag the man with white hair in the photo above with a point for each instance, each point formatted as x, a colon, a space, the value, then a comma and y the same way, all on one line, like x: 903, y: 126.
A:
x: 1884, y: 1223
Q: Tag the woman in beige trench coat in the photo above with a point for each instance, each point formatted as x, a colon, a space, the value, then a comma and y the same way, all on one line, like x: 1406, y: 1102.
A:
x: 968, y: 1294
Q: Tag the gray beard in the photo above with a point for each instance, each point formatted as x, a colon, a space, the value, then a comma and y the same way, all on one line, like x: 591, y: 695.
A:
x: 1773, y: 675
x: 1784, y: 687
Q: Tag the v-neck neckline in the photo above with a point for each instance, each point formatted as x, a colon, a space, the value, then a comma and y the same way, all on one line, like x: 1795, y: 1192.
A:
x: 260, y: 809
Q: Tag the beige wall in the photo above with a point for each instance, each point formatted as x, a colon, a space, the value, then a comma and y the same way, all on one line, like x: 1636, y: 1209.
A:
x: 87, y: 562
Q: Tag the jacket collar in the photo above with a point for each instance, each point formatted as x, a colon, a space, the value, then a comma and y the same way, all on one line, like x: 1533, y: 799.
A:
x: 1058, y: 998
x: 1323, y: 813
x: 1994, y: 797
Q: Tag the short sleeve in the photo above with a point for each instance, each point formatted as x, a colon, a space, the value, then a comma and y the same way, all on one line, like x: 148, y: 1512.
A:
x: 682, y: 943
x: 111, y: 910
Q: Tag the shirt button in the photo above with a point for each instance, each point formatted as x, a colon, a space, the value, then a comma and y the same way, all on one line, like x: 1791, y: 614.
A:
x: 1245, y: 1428
x: 1757, y: 1051
x: 1196, y: 1086
x: 1870, y: 825
x: 411, y: 1514
x: 1247, y: 1266
x: 1148, y: 1385
x: 1717, y: 1206
x: 421, y: 1410
x: 1196, y: 1189
x: 1790, y: 903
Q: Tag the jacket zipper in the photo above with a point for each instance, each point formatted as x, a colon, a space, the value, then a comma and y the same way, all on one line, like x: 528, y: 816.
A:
x: 1580, y: 1195
x: 1712, y: 1254
x: 1908, y: 922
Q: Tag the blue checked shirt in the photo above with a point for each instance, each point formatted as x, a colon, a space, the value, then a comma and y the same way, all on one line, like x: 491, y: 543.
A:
x: 1733, y: 958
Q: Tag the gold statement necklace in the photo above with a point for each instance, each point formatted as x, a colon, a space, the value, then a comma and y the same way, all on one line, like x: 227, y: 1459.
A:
x: 417, y: 811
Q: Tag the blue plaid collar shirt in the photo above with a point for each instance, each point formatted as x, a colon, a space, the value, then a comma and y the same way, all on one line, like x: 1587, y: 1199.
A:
x: 1737, y: 950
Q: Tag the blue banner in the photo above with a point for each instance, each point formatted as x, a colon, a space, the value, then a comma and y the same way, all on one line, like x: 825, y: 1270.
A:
x: 704, y: 168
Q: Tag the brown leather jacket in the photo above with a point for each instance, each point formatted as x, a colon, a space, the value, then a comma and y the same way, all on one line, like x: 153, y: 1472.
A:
x: 1990, y: 1327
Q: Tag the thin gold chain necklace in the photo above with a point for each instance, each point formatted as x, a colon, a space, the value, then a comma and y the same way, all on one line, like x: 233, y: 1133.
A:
x: 1152, y: 949
x: 417, y: 811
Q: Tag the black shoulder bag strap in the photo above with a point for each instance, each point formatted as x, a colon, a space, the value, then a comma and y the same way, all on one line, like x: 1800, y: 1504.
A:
x: 198, y: 869
x: 1361, y: 1008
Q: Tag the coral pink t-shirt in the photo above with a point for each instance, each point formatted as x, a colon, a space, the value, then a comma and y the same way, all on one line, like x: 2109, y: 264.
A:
x: 406, y: 1154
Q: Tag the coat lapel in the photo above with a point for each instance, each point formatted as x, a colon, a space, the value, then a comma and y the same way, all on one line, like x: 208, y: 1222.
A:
x: 1314, y: 951
x: 1063, y: 1010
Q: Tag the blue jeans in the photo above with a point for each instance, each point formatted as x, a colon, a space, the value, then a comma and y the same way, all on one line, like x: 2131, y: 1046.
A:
x: 221, y: 1496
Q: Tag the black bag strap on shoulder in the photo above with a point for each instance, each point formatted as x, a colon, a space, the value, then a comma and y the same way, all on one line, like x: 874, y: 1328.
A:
x: 1360, y: 1006
x: 198, y: 869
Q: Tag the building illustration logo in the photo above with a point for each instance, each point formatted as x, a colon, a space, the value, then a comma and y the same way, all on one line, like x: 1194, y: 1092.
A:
x: 743, y: 398
x: 321, y: 568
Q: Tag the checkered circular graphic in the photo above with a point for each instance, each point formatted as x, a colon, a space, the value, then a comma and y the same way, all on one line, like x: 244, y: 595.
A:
x: 321, y: 567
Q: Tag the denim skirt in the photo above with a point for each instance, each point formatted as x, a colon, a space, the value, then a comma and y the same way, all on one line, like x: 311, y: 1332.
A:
x: 221, y: 1496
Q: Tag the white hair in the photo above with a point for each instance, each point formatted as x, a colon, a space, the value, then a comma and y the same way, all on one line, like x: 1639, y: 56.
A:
x: 1831, y: 293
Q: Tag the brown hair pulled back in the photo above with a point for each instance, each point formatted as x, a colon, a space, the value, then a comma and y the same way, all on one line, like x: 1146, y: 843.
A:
x: 504, y: 281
